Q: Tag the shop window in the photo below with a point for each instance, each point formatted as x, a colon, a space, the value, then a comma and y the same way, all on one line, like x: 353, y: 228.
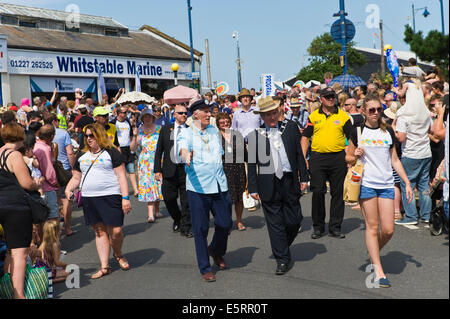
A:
x: 27, y: 24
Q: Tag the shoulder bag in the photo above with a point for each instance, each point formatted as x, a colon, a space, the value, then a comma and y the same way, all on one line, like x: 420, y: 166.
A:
x: 38, y: 206
x: 352, y: 183
x: 78, y: 195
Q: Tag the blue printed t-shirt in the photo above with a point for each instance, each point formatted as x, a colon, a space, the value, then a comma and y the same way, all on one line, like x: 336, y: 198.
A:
x: 62, y: 138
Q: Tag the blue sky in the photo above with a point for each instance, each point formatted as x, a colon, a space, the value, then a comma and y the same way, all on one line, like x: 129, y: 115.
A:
x: 274, y: 35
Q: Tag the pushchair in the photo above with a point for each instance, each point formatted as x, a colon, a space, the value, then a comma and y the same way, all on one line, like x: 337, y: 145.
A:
x: 438, y: 220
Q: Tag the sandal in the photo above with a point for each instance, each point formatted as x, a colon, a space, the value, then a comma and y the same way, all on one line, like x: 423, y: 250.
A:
x: 159, y: 215
x: 124, y: 265
x: 101, y: 273
x: 151, y: 220
x: 241, y: 227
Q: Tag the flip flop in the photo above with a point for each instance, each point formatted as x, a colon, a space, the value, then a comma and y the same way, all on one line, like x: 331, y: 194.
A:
x: 241, y: 227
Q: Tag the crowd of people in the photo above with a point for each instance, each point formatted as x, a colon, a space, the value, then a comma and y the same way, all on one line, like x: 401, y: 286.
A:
x: 211, y: 152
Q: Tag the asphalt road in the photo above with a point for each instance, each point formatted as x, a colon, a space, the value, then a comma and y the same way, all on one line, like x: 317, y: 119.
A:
x: 163, y: 263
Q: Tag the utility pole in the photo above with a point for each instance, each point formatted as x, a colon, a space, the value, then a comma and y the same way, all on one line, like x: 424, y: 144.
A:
x: 208, y: 65
x: 442, y: 17
x: 382, y: 48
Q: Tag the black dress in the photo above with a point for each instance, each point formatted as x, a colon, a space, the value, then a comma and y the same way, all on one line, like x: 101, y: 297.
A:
x: 234, y: 159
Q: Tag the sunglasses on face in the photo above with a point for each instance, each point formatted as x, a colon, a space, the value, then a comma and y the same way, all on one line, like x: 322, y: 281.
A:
x: 375, y: 110
x: 350, y: 104
x: 123, y: 112
x: 89, y: 135
x: 432, y: 105
x: 182, y: 113
x: 329, y: 97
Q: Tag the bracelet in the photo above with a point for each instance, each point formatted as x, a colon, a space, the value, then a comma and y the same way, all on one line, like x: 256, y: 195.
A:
x: 126, y: 197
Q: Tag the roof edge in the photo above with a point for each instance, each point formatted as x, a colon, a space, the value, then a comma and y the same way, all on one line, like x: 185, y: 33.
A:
x: 169, y: 38
x: 19, y: 47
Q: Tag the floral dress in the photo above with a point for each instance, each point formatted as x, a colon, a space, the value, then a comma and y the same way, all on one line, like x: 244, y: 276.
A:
x: 149, y: 187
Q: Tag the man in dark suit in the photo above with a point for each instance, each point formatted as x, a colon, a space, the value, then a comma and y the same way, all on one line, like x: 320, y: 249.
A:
x: 276, y: 181
x: 172, y: 173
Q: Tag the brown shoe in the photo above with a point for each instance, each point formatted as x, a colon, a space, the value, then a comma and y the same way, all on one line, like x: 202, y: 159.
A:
x: 218, y: 260
x: 209, y: 277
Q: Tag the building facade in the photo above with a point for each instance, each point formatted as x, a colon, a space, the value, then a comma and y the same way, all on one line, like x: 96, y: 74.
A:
x: 41, y: 50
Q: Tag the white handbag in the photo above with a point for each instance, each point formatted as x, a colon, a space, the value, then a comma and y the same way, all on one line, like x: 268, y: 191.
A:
x: 248, y: 200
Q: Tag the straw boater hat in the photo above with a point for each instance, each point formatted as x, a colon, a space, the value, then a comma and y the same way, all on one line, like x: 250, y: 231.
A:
x: 392, y: 110
x: 295, y: 102
x: 243, y: 93
x: 266, y: 104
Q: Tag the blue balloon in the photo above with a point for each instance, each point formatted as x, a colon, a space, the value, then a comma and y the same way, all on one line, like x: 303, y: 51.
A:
x: 392, y: 63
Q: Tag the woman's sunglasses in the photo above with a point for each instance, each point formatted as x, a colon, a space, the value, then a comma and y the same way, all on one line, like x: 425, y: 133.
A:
x: 89, y: 135
x: 377, y: 110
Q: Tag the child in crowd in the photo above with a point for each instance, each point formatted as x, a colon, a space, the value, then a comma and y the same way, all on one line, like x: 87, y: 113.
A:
x: 48, y: 254
x: 31, y: 161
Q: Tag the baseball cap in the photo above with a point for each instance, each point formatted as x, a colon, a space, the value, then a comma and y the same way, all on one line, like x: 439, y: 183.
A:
x: 100, y: 110
x: 328, y: 91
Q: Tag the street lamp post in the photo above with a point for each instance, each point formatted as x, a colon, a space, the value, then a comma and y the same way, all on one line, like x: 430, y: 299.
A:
x: 175, y: 67
x: 190, y: 36
x: 442, y: 17
x: 426, y: 13
x: 238, y: 61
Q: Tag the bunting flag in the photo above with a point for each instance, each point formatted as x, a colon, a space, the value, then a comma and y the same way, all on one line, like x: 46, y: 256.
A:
x: 138, y: 80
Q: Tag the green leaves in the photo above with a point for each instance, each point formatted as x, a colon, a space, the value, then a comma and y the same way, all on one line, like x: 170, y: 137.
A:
x: 433, y: 48
x: 324, y: 57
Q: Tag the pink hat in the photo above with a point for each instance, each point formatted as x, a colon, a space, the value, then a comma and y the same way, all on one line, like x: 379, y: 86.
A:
x: 25, y: 102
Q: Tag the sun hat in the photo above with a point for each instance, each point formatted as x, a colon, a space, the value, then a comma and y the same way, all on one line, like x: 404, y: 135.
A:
x: 100, y: 110
x: 80, y: 106
x: 266, y: 104
x: 392, y: 110
x: 145, y: 112
x: 244, y: 92
x: 296, y: 102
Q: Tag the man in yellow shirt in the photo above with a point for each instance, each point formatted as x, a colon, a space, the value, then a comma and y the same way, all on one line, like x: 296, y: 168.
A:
x: 328, y: 126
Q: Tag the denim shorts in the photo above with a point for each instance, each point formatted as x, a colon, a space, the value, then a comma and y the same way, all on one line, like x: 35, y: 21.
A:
x: 52, y: 202
x: 367, y: 192
x: 131, y: 168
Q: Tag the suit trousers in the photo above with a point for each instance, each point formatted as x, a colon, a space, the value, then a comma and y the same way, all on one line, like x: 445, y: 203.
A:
x: 220, y: 205
x: 283, y: 215
x: 170, y: 188
x: 331, y: 167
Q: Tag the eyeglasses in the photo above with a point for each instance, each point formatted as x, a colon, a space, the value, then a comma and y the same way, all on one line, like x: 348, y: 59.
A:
x: 375, y: 110
x: 330, y: 97
x: 182, y: 113
x: 89, y: 135
x: 350, y: 104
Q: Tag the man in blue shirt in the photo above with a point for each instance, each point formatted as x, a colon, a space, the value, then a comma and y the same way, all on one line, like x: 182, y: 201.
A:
x: 201, y: 149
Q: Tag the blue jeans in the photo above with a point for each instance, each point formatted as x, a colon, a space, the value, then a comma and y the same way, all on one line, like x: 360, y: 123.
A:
x: 418, y: 172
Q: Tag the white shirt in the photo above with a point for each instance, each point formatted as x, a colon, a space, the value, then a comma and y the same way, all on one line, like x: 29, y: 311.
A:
x: 178, y: 159
x: 377, y: 172
x: 417, y: 143
x: 123, y: 133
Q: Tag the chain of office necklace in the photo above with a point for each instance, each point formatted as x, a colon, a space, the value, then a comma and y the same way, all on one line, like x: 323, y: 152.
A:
x: 206, y: 141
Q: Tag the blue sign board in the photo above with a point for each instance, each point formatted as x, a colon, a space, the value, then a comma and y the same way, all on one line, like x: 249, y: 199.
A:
x: 350, y: 31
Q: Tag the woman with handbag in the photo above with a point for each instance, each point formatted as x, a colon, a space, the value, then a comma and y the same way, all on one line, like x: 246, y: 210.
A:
x: 377, y: 152
x: 15, y: 213
x: 100, y: 170
x: 233, y: 159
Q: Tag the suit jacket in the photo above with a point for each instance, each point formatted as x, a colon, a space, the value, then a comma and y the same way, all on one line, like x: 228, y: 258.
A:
x: 264, y: 184
x: 165, y: 146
